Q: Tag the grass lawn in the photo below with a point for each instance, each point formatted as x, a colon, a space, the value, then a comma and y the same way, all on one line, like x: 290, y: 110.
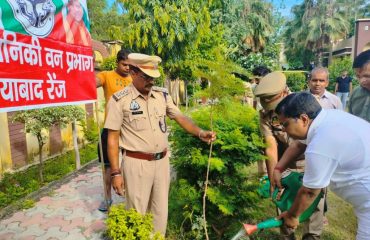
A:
x: 342, y: 220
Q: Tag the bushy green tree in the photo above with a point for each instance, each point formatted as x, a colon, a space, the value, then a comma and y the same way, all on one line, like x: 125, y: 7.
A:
x: 109, y: 63
x: 37, y: 121
x: 248, y: 31
x: 166, y: 28
x: 296, y: 81
x: 269, y: 58
x: 106, y: 21
x: 248, y: 24
x: 231, y: 192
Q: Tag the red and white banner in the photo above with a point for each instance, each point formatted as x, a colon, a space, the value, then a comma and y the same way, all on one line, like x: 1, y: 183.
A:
x: 46, y: 57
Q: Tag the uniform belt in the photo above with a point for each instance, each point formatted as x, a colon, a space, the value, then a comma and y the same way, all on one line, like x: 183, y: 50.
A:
x: 146, y: 156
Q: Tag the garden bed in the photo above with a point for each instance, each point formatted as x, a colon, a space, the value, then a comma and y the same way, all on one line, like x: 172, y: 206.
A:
x: 21, y: 189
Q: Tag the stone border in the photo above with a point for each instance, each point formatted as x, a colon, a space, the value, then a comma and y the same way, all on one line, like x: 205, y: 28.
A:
x: 45, y: 190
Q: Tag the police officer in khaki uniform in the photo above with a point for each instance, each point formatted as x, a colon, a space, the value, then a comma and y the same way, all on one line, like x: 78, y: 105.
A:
x: 137, y: 122
x: 271, y: 90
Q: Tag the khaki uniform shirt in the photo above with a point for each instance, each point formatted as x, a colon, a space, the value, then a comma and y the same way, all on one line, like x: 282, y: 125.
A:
x: 142, y: 122
x: 270, y: 126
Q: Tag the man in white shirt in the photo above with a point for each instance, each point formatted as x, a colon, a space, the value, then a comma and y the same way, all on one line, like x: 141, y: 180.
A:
x: 318, y: 83
x: 344, y: 163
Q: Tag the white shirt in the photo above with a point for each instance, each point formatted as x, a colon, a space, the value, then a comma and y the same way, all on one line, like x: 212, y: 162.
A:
x: 338, y: 151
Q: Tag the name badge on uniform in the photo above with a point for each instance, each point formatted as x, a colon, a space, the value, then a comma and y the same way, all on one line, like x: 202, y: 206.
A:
x: 134, y: 106
x: 137, y: 112
x: 162, y: 124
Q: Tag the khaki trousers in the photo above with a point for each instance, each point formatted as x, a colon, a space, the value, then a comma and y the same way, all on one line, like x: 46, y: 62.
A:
x: 147, y: 186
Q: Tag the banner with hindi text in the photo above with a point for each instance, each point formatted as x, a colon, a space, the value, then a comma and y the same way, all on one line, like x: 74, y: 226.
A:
x: 46, y: 58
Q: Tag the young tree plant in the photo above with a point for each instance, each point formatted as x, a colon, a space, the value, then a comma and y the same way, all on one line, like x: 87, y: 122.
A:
x: 211, y: 187
x: 37, y: 121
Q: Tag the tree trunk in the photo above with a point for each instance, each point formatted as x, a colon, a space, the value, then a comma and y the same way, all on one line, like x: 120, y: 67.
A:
x: 186, y: 95
x: 75, y: 145
x: 41, y: 166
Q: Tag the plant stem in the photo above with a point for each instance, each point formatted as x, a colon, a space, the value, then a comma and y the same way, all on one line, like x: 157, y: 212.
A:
x: 206, y: 182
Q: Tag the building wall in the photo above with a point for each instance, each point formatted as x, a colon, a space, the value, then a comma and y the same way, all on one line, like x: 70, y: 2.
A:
x: 18, y: 149
x: 363, y: 36
x: 18, y: 142
x: 114, y: 48
x: 5, y: 153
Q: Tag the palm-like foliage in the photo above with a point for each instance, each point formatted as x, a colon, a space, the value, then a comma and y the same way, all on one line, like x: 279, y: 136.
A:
x: 316, y: 24
x: 258, y: 21
x: 248, y: 24
x: 325, y: 22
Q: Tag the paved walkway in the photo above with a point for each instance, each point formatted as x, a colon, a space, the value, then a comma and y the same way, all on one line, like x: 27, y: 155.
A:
x: 69, y: 213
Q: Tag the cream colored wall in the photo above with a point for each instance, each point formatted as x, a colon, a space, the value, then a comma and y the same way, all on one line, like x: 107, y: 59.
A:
x: 101, y: 106
x: 178, y: 91
x: 67, y: 134
x: 5, y: 153
x: 98, y: 57
x: 366, y: 47
x: 113, y: 49
x: 66, y: 138
x: 33, y: 145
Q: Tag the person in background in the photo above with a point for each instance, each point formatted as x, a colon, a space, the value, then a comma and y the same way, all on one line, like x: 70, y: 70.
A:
x: 343, y: 88
x: 359, y: 102
x: 341, y: 162
x: 111, y: 81
x: 317, y: 84
x: 258, y: 73
x: 137, y: 123
x: 272, y: 90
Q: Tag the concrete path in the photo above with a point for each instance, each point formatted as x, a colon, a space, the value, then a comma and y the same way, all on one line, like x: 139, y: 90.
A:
x: 69, y: 213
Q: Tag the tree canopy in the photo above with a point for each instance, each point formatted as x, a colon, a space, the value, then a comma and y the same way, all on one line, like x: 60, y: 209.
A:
x: 316, y: 25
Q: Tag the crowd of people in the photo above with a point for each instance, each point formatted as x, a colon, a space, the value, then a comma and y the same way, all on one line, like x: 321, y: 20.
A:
x: 308, y: 131
x: 314, y: 126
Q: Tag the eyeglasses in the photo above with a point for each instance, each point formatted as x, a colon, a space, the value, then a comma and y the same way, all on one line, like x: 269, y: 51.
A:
x: 286, y: 123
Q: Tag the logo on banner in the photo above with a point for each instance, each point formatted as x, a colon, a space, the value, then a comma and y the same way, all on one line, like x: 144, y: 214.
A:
x: 36, y: 16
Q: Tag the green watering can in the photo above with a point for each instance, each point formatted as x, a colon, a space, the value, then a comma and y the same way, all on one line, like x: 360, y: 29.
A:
x: 291, y: 184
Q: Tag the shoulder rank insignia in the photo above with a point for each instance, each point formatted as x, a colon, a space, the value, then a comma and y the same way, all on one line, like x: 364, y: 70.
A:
x: 120, y: 94
x: 160, y: 89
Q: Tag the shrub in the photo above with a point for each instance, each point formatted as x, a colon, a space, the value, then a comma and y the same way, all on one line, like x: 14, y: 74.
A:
x: 109, y: 63
x: 337, y: 66
x: 130, y: 225
x: 231, y: 193
x: 296, y: 81
x: 90, y: 129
